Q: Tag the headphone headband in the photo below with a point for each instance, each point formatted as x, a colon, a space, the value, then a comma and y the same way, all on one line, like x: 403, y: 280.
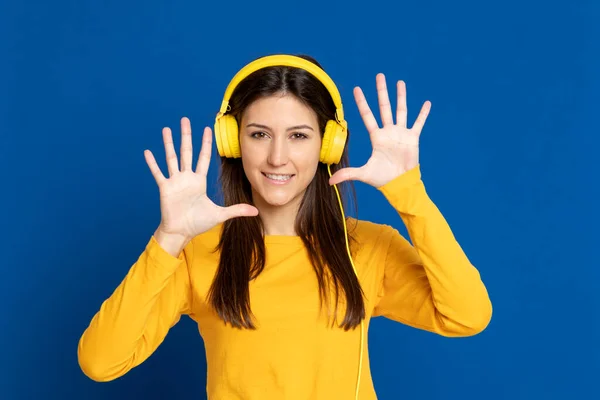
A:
x: 336, y: 129
x: 289, y: 61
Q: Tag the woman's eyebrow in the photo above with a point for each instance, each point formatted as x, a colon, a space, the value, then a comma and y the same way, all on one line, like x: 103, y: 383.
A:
x: 289, y: 129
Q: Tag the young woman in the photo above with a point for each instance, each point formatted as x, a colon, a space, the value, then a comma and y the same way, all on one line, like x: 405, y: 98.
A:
x: 281, y: 283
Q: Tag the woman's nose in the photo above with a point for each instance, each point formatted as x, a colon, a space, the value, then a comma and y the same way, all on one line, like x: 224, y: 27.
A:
x: 278, y: 152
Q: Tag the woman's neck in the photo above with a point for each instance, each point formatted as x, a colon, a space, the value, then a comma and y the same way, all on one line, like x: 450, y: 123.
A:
x: 278, y: 220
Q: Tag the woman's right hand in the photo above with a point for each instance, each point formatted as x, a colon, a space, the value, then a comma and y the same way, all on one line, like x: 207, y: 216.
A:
x: 186, y: 210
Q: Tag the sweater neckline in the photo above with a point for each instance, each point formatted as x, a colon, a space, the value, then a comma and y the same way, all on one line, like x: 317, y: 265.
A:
x: 282, y: 239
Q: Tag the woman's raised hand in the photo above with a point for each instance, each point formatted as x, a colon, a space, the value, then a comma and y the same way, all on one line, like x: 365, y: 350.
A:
x: 186, y: 210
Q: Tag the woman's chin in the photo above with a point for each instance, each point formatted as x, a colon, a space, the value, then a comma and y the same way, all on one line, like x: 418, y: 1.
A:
x: 277, y: 198
x: 277, y: 201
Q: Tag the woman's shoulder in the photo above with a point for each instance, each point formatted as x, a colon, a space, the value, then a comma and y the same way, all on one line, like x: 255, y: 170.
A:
x: 366, y: 227
x: 369, y: 233
x: 207, y: 241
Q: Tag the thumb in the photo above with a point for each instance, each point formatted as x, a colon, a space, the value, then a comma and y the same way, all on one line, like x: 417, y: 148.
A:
x: 345, y: 174
x: 238, y: 210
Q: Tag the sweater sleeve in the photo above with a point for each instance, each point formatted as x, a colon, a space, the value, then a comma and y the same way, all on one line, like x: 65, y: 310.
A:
x: 431, y: 284
x: 134, y: 320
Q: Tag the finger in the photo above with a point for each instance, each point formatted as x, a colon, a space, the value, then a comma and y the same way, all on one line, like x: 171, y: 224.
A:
x: 345, y: 174
x: 154, y: 169
x: 238, y: 210
x: 170, y: 151
x: 420, y: 122
x: 186, y: 144
x: 205, y: 151
x: 385, y: 109
x: 401, y: 110
x: 365, y: 111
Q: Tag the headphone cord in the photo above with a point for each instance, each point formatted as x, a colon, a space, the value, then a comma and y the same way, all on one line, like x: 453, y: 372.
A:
x: 362, y: 328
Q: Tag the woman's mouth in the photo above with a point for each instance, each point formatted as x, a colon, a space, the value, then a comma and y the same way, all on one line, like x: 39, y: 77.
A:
x: 278, y: 179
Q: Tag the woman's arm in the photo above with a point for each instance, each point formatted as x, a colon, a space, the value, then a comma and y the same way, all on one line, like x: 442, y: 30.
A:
x: 431, y: 284
x: 135, y: 319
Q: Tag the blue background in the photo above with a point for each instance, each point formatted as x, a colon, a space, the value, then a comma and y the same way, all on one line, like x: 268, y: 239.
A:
x: 507, y: 154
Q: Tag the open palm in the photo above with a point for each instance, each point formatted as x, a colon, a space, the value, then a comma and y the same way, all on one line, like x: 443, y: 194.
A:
x: 186, y: 210
x: 395, y: 147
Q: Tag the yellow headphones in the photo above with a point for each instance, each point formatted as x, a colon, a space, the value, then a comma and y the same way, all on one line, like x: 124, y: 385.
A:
x: 332, y: 145
x: 336, y: 131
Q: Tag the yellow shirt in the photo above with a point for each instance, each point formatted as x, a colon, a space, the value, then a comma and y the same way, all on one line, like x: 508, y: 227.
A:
x: 294, y: 354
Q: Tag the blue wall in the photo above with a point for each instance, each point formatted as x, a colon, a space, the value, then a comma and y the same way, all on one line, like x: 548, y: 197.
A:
x: 506, y: 155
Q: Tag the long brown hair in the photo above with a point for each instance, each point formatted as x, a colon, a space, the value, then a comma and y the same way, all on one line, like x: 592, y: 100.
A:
x: 318, y: 223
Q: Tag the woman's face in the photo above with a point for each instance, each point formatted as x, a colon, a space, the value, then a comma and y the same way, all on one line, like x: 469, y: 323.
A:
x: 280, y: 144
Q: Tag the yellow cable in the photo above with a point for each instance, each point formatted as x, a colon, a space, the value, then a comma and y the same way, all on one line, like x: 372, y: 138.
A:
x: 362, y: 334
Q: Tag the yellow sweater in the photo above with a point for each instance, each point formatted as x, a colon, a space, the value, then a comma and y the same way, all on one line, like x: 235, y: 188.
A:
x: 294, y: 353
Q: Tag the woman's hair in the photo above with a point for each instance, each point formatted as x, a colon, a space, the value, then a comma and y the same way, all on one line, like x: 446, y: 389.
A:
x: 318, y: 223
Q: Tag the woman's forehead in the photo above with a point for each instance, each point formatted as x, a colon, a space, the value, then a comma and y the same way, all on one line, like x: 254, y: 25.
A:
x: 280, y: 110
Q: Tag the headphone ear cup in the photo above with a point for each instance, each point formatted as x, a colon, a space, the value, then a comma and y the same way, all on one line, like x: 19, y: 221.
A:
x: 334, y: 140
x: 218, y: 136
x: 226, y: 136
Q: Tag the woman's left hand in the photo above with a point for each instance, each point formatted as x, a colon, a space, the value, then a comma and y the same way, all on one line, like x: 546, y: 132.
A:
x: 395, y: 147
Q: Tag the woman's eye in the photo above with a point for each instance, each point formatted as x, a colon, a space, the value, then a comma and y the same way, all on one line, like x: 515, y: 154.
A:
x: 258, y: 135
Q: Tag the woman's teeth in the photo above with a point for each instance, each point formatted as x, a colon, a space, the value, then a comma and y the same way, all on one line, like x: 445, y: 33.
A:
x: 278, y: 177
